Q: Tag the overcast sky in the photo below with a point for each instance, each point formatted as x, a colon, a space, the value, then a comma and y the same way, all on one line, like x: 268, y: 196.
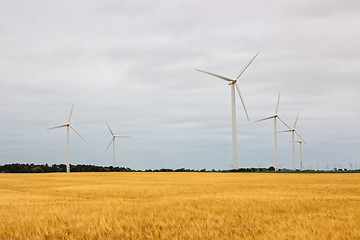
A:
x: 131, y: 63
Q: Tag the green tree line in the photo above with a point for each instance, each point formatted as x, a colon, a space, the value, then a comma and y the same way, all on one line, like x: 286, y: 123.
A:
x: 45, y: 168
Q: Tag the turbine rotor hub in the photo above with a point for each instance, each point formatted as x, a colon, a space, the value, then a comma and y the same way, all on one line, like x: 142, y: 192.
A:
x: 233, y: 82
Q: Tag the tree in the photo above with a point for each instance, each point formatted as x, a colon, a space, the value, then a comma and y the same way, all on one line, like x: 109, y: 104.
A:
x: 37, y: 170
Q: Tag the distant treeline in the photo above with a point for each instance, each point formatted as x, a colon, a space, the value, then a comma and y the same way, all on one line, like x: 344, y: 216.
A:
x: 45, y: 168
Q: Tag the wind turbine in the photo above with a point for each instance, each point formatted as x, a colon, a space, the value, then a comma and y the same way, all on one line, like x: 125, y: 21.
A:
x: 113, y: 142
x: 293, y: 131
x: 233, y: 84
x: 275, y: 116
x: 67, y: 125
x: 300, y: 143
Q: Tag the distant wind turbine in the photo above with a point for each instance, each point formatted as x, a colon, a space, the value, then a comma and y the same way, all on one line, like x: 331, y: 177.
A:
x: 113, y: 142
x: 300, y: 143
x: 233, y: 84
x: 293, y: 131
x: 275, y: 116
x: 67, y: 125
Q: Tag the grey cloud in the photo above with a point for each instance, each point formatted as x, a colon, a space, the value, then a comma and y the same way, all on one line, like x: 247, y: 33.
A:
x: 132, y: 64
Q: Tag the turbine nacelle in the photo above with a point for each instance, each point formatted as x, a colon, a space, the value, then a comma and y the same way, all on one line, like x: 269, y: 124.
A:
x: 232, y: 82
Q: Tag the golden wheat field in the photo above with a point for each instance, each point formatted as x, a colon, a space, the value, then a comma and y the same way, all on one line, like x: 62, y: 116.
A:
x: 179, y: 206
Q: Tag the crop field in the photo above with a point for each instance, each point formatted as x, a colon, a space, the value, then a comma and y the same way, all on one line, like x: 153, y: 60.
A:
x: 180, y: 206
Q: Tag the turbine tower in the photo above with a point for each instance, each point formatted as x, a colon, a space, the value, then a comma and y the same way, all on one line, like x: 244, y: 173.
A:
x: 67, y: 125
x: 293, y: 131
x: 275, y: 116
x: 233, y: 84
x: 113, y: 142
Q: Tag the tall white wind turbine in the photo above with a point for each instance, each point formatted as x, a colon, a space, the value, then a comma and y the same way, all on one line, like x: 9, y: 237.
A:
x: 293, y: 131
x: 67, y: 125
x: 233, y: 84
x: 113, y: 142
x: 275, y: 116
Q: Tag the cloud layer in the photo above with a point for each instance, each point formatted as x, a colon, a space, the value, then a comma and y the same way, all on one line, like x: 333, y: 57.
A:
x: 131, y: 63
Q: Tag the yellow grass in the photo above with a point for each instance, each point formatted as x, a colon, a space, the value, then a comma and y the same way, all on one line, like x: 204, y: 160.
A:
x: 179, y: 206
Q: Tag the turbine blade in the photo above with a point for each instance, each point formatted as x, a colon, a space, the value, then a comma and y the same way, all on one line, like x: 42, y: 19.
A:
x: 277, y: 105
x: 64, y: 125
x: 215, y: 75
x: 109, y: 144
x: 300, y: 136
x: 122, y: 136
x: 284, y: 131
x: 109, y: 129
x: 296, y: 120
x: 71, y: 112
x: 246, y: 66
x: 303, y: 146
x: 242, y: 100
x: 76, y: 132
x: 265, y: 119
x: 283, y: 122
